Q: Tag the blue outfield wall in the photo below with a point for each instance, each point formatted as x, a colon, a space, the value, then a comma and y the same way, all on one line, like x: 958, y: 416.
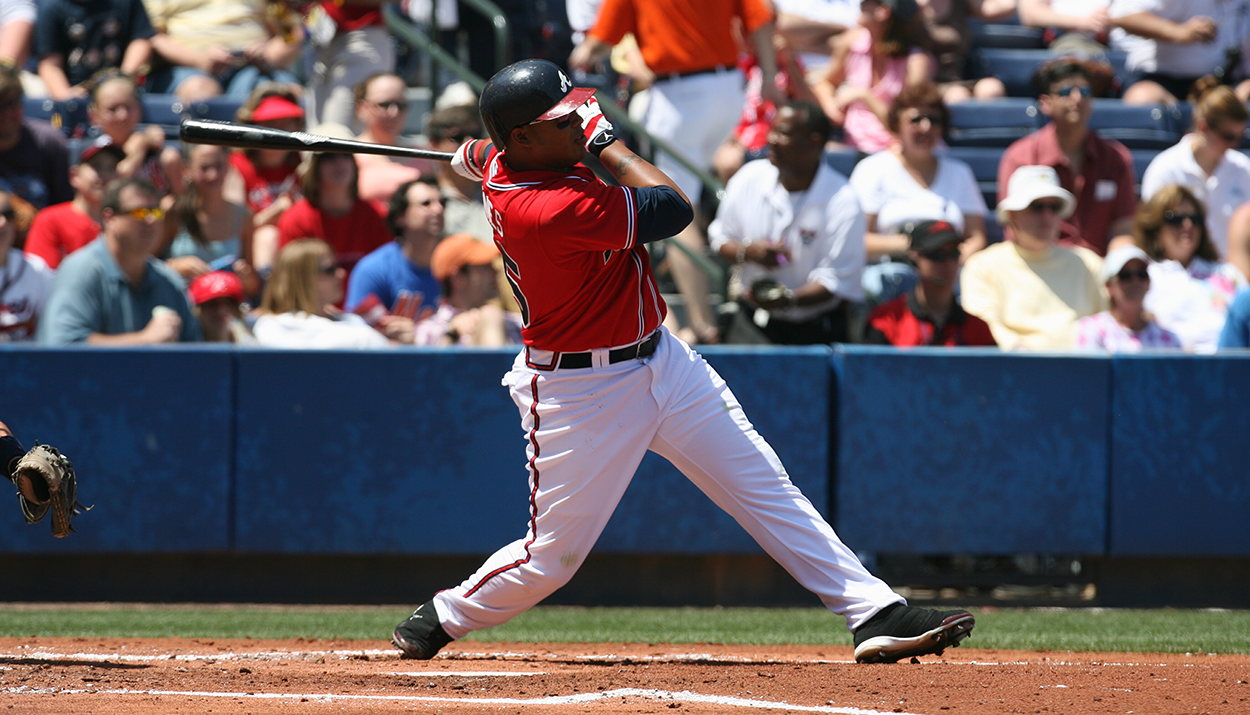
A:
x: 972, y: 452
x: 211, y: 449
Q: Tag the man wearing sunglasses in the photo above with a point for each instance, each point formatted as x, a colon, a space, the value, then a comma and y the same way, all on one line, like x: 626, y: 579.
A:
x: 1097, y: 171
x: 113, y: 291
x: 24, y: 281
x: 930, y: 313
x: 1031, y: 290
x: 793, y: 223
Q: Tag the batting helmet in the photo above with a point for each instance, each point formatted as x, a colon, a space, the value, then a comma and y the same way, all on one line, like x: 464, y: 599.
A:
x: 525, y: 92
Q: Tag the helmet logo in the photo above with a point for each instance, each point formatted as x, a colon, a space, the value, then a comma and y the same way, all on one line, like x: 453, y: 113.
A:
x: 565, y: 83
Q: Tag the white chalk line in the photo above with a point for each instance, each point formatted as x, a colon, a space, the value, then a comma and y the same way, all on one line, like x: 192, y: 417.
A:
x: 378, y: 654
x: 684, y: 696
x: 464, y: 674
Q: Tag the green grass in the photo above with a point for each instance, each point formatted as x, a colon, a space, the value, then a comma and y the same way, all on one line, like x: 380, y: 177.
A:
x: 1143, y: 631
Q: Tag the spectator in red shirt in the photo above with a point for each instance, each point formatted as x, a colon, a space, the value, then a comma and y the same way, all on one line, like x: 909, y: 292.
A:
x: 61, y: 229
x: 332, y: 209
x: 1097, y: 171
x: 270, y: 185
x: 930, y: 313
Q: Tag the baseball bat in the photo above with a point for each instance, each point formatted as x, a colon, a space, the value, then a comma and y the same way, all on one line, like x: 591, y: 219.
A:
x: 246, y: 136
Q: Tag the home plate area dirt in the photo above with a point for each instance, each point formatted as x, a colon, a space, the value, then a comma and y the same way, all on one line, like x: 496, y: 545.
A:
x: 69, y: 676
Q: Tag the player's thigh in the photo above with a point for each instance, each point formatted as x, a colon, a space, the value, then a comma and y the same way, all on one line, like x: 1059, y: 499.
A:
x: 705, y: 432
x: 585, y: 435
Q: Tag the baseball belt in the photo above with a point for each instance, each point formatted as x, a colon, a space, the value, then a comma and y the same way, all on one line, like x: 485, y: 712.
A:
x: 573, y: 361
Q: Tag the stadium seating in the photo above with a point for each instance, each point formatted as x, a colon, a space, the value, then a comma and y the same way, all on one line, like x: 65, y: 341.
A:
x: 984, y: 164
x: 1016, y: 67
x: 992, y: 123
x: 70, y: 116
x: 842, y: 161
x: 1137, y: 127
x: 1006, y: 35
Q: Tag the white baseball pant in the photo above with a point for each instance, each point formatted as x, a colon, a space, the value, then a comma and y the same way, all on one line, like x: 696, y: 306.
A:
x: 695, y: 114
x: 588, y: 429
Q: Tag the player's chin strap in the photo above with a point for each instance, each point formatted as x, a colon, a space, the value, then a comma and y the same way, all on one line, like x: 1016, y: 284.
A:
x: 10, y: 451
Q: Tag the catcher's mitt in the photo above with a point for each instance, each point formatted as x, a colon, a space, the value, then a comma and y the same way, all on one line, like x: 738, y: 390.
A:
x: 45, y: 482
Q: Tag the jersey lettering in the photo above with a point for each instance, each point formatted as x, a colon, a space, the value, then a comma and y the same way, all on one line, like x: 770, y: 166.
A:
x: 493, y: 217
x: 512, y: 272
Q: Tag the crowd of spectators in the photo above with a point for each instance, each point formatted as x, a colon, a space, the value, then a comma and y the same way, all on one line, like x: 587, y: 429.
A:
x: 124, y: 237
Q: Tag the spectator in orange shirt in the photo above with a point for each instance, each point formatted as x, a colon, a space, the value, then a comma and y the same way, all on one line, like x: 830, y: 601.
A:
x: 696, y: 99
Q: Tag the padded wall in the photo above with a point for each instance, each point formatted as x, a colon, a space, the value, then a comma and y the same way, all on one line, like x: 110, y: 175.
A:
x: 150, y: 433
x: 1180, y: 467
x: 971, y: 451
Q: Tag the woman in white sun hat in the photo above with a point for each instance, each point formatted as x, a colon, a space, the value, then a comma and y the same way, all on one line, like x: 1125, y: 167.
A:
x: 1031, y: 291
x: 1125, y: 327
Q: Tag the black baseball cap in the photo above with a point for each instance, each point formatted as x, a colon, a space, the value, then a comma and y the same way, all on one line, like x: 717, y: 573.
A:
x: 928, y: 235
x: 102, y: 143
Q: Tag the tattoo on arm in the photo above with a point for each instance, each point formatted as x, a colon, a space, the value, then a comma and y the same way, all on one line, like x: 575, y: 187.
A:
x: 623, y: 164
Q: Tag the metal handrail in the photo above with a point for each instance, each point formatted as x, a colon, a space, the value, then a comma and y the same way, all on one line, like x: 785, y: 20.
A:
x: 410, y: 33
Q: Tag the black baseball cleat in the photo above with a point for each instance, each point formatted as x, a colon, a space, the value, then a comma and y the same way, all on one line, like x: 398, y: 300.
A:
x: 420, y: 636
x: 899, y: 631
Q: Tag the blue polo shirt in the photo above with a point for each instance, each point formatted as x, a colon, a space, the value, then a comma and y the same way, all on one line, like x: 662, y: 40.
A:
x: 386, y: 272
x: 92, y: 295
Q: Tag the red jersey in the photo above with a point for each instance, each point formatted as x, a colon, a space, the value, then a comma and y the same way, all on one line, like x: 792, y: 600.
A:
x: 58, y: 231
x: 899, y: 323
x: 570, y: 251
x: 263, y: 184
x: 352, y: 236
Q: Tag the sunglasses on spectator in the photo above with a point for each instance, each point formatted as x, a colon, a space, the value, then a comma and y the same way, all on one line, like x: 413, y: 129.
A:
x: 144, y: 214
x: 1038, y: 207
x: 934, y: 119
x: 1066, y: 91
x: 1173, y: 218
x: 328, y: 270
x: 1127, y: 275
x: 1230, y: 137
x: 397, y: 104
x: 8, y: 214
x: 951, y: 254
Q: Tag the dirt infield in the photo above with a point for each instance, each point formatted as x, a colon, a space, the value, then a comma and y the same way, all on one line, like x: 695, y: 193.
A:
x: 70, y: 676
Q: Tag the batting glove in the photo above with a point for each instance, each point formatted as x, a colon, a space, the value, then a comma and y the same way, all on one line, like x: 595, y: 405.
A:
x: 598, y: 129
x: 464, y: 161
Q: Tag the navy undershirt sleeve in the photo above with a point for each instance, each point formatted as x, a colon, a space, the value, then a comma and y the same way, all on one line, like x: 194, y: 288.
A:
x: 662, y: 213
x: 10, y: 449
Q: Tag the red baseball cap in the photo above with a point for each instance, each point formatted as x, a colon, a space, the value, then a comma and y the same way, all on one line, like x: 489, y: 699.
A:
x: 276, y: 107
x: 218, y: 284
x: 455, y: 252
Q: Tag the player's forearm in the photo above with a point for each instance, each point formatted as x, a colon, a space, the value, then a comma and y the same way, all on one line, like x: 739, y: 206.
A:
x: 632, y: 170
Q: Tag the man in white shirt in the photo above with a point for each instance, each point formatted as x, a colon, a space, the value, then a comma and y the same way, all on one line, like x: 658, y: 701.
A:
x: 794, y: 229
x: 1171, y: 43
x: 25, y: 281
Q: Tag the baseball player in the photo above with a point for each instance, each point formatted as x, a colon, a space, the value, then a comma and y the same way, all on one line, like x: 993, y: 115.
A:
x: 599, y: 382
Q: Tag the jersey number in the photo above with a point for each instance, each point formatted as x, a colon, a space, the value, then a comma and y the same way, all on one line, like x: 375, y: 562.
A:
x: 513, y: 273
